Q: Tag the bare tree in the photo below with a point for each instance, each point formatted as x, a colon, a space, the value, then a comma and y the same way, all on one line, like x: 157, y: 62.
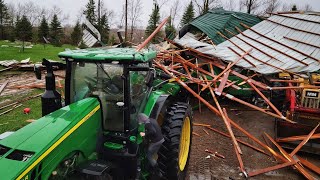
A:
x: 251, y: 6
x: 272, y: 6
x: 307, y: 7
x: 229, y: 5
x: 161, y: 2
x: 175, y: 10
x: 134, y: 11
x: 203, y: 6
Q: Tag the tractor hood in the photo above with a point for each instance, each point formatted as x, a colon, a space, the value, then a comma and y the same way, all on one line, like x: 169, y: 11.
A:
x: 36, y: 138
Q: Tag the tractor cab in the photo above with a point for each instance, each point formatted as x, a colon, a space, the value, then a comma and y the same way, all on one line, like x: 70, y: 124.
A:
x: 118, y: 77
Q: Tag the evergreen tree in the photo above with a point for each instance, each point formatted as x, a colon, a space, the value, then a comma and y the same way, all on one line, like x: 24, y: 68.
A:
x: 55, y: 31
x: 4, y: 17
x: 23, y: 30
x: 153, y: 21
x: 170, y: 30
x: 43, y: 31
x: 294, y: 8
x: 104, y: 28
x: 90, y: 12
x: 76, y: 34
x: 188, y: 15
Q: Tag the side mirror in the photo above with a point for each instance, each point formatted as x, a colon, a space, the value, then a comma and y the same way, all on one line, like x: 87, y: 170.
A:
x: 37, y: 71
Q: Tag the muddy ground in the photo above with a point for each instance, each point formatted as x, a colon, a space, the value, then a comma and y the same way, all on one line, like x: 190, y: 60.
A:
x: 255, y: 123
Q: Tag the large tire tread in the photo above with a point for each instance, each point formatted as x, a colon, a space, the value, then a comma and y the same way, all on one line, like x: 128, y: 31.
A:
x: 169, y: 152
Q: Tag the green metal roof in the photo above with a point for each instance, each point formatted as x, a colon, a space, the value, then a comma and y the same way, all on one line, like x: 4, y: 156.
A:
x: 113, y: 54
x: 219, y: 20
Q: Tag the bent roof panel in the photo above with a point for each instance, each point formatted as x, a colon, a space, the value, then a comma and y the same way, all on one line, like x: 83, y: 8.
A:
x: 219, y: 20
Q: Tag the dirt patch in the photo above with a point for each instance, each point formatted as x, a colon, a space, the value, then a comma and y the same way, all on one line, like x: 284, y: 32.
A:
x: 255, y: 123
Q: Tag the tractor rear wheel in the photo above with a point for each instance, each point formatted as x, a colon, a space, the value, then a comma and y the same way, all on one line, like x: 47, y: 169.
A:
x: 175, y: 151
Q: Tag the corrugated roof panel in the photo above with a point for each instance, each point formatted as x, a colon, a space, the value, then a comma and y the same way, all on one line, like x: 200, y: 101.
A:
x: 271, y: 38
x: 219, y: 20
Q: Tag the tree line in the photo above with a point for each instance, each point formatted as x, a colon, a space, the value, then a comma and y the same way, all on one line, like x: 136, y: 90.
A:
x: 40, y: 23
x: 21, y: 23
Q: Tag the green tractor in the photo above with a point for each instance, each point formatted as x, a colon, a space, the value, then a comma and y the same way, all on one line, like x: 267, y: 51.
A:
x: 94, y: 133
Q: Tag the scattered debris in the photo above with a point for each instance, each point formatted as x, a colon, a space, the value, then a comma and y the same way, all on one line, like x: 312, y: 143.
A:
x: 14, y: 107
x: 30, y: 120
x: 19, y: 101
x: 8, y: 63
x: 194, y: 133
x: 205, y: 131
x: 215, y: 153
x: 188, y: 66
x: 3, y: 86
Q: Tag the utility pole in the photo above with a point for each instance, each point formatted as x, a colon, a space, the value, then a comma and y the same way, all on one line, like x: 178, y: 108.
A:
x: 126, y: 23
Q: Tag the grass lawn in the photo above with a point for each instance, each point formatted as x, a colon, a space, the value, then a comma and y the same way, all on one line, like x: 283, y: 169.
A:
x: 36, y: 53
x: 16, y: 119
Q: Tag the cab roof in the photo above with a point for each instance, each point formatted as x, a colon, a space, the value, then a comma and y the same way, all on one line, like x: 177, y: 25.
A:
x: 111, y: 54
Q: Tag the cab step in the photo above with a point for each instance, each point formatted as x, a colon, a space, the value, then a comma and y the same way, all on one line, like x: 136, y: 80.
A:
x: 95, y: 167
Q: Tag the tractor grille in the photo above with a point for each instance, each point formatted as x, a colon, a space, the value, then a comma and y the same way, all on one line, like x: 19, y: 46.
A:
x: 311, y: 98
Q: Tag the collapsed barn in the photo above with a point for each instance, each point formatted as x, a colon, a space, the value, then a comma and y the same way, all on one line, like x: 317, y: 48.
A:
x: 272, y: 67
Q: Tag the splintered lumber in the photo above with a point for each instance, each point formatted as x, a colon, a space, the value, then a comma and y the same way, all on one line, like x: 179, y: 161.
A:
x: 194, y: 133
x: 231, y: 65
x: 9, y: 110
x: 199, y: 124
x: 305, y: 140
x: 223, y: 83
x: 142, y: 45
x: 205, y: 131
x: 215, y: 153
x: 223, y: 115
x: 297, y: 138
x: 265, y: 98
x: 188, y: 89
x: 3, y: 86
x: 309, y: 165
x: 290, y: 159
x: 240, y: 141
x: 257, y: 141
x: 215, y: 62
x: 268, y: 169
x: 231, y: 97
x: 19, y: 101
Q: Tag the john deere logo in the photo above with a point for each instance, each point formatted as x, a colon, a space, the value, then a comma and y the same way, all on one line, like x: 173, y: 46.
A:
x: 312, y: 94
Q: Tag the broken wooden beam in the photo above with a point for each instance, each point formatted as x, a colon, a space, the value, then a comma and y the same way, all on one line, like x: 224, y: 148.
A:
x: 144, y: 43
x: 304, y: 141
x: 291, y: 159
x: 3, y: 86
x: 240, y: 141
x: 268, y: 169
x: 297, y: 138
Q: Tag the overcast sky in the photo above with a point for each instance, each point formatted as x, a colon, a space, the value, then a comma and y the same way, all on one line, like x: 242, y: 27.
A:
x: 74, y: 7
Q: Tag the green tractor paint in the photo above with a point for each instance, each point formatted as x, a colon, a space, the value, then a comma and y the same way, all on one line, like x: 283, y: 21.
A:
x: 94, y: 134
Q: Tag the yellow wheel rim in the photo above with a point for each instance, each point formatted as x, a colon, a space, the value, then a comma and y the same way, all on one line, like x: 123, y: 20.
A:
x: 184, y: 143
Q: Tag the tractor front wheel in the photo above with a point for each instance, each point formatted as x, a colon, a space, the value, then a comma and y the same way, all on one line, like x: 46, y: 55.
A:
x: 175, y: 151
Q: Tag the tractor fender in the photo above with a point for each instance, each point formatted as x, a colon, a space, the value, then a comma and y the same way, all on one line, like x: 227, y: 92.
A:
x: 158, y: 106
